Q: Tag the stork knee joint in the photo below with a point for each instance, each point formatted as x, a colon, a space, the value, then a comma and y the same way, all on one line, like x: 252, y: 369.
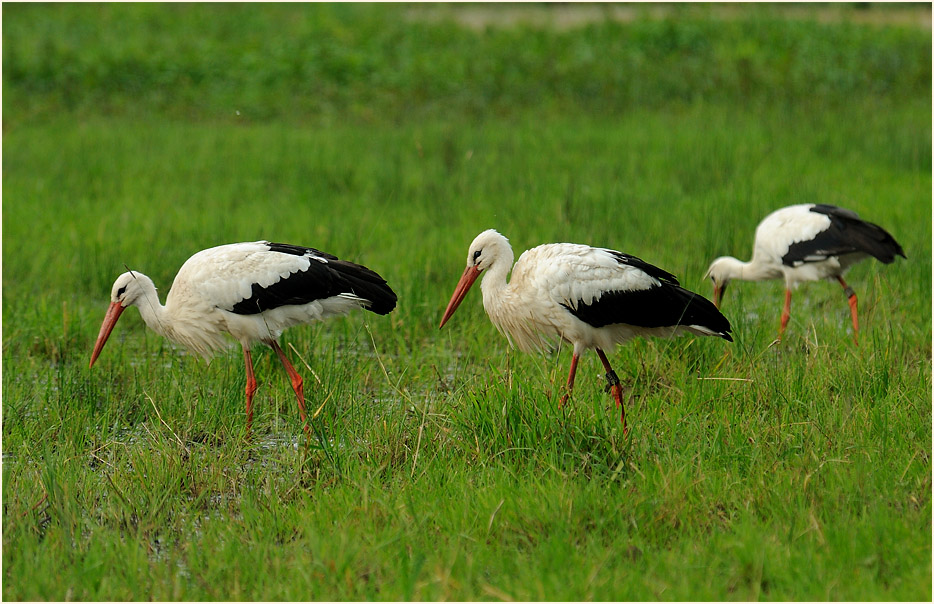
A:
x: 611, y: 380
x: 848, y: 292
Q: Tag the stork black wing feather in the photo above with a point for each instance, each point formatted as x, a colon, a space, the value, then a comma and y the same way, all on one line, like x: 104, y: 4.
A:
x: 298, y: 250
x: 644, y: 266
x: 322, y: 279
x: 847, y: 234
x: 666, y: 305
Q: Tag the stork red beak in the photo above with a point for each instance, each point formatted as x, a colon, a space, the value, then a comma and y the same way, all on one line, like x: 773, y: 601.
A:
x: 718, y: 291
x: 470, y: 275
x: 110, y: 319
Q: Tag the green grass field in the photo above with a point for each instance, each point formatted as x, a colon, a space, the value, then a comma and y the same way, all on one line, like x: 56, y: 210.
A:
x: 442, y: 467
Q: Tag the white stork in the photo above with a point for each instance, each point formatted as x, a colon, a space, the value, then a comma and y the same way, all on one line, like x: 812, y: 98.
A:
x: 251, y: 291
x: 807, y: 242
x: 590, y: 297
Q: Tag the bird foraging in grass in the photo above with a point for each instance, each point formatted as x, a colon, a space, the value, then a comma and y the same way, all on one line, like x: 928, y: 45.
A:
x: 252, y: 292
x: 807, y: 242
x: 590, y: 297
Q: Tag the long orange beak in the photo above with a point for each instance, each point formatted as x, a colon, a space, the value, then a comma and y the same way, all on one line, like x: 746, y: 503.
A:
x: 110, y: 319
x: 470, y: 275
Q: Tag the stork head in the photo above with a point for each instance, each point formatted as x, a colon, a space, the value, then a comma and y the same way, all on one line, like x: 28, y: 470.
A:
x: 127, y: 290
x: 487, y: 249
x: 720, y: 272
x: 129, y: 287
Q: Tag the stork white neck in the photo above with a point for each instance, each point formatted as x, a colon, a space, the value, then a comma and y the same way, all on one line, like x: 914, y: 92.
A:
x: 146, y: 299
x: 727, y: 268
x: 494, y: 281
x: 491, y: 254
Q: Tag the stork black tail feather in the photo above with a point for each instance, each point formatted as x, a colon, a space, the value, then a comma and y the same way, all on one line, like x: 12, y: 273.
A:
x: 366, y: 284
x: 877, y: 242
x: 701, y: 312
x: 849, y: 233
x: 665, y: 305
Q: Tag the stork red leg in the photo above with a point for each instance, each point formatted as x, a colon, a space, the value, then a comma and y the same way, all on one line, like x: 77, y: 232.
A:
x: 250, y: 389
x: 297, y: 383
x: 786, y: 314
x: 613, y: 383
x: 851, y: 296
x: 571, y: 374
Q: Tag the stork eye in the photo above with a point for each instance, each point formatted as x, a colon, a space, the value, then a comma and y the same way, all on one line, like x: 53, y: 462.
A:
x: 121, y: 291
x: 475, y: 256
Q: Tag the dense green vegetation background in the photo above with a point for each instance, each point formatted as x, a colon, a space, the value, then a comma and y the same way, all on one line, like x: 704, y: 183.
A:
x: 442, y: 467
